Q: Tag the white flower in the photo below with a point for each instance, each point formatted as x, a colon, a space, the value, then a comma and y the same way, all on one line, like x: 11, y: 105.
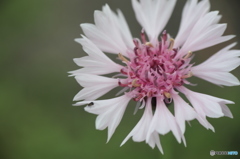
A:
x: 155, y: 69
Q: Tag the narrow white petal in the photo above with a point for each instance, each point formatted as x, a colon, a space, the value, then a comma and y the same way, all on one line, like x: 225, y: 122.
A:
x: 216, y: 68
x: 102, y: 121
x: 110, y: 112
x: 155, y: 140
x: 183, y: 112
x: 87, y: 61
x: 192, y: 12
x: 110, y: 32
x: 224, y: 54
x: 153, y: 15
x: 94, y: 92
x: 140, y: 16
x: 103, y: 41
x: 140, y: 131
x: 92, y: 50
x: 96, y: 63
x: 224, y: 65
x: 116, y: 117
x: 205, y: 105
x: 203, y: 121
x: 100, y: 69
x: 218, y: 78
x: 107, y: 16
x: 205, y: 33
x: 125, y: 31
x: 226, y: 111
x: 95, y: 86
x: 88, y: 80
x: 163, y: 121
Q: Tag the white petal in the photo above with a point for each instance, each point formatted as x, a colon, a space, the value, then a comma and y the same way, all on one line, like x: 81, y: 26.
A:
x: 155, y: 140
x: 192, y: 12
x: 110, y: 32
x: 125, y: 32
x: 96, y: 70
x: 183, y: 112
x: 87, y: 61
x: 205, y: 105
x: 209, y: 38
x: 103, y: 41
x: 163, y: 121
x: 224, y: 54
x: 93, y: 66
x: 226, y: 111
x: 153, y: 15
x: 96, y: 63
x: 139, y: 132
x: 218, y: 78
x: 88, y: 80
x: 91, y: 49
x: 202, y: 120
x: 110, y: 112
x: 205, y: 33
x: 216, y: 68
x: 95, y: 86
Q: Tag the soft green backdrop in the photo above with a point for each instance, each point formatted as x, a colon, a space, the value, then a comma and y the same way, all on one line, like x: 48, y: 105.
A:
x: 36, y: 117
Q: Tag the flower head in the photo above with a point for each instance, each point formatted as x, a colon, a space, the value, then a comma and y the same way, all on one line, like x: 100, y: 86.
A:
x: 155, y: 69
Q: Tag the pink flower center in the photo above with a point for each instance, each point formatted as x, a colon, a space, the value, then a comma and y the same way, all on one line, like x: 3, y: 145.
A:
x: 154, y: 71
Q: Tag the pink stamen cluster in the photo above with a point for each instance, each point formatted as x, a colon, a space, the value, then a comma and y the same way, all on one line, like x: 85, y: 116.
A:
x: 154, y: 71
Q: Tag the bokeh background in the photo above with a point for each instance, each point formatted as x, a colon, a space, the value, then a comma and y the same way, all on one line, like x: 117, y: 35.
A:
x: 37, y: 118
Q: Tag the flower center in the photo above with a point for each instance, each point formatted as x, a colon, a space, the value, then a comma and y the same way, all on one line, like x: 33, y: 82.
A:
x: 154, y: 71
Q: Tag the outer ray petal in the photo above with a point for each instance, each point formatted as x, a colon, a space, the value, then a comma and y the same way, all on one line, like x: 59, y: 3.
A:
x: 163, y: 121
x: 205, y: 33
x: 110, y: 112
x: 124, y: 29
x: 94, y: 86
x: 226, y: 111
x: 205, y: 105
x: 183, y: 112
x: 155, y: 140
x: 96, y: 63
x: 97, y: 70
x: 91, y: 49
x: 216, y: 68
x: 192, y: 12
x: 153, y: 15
x: 110, y: 32
x: 139, y: 132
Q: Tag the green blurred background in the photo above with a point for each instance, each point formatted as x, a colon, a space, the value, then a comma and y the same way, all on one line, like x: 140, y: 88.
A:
x: 36, y: 117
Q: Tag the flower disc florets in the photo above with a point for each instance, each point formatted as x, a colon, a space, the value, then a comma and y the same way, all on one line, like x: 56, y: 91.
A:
x: 154, y: 71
